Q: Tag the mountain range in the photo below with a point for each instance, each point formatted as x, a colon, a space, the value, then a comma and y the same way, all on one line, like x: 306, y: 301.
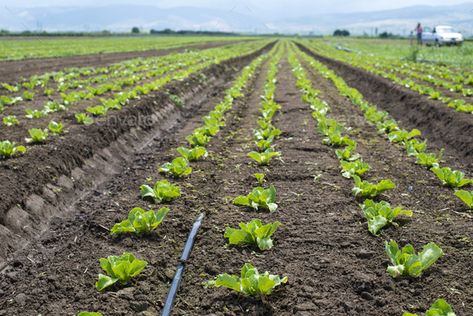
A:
x: 121, y: 18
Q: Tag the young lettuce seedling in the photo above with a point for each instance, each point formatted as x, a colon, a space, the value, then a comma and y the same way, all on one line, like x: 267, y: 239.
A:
x: 198, y: 138
x: 140, y: 222
x: 163, y: 191
x: 10, y: 120
x: 429, y: 160
x: 179, y: 167
x: 264, y: 158
x: 98, y: 110
x: 84, y: 118
x: 414, y: 147
x: 119, y: 269
x: 34, y: 114
x: 348, y: 153
x: 9, y: 149
x: 193, y: 154
x: 466, y: 197
x: 407, y: 263
x: 265, y: 144
x: 259, y: 198
x: 387, y: 126
x: 381, y: 214
x: 455, y: 179
x: 368, y: 189
x: 439, y: 308
x: 350, y: 168
x: 403, y: 136
x: 55, y: 127
x: 90, y: 314
x: 250, y: 282
x: 252, y: 233
x: 269, y: 132
x: 259, y: 177
x: 37, y: 135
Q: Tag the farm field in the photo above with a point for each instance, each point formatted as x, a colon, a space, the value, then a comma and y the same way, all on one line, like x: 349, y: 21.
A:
x: 336, y: 158
x: 12, y: 48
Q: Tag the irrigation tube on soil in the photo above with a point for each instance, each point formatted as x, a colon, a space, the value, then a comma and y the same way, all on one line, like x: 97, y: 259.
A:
x: 176, y: 281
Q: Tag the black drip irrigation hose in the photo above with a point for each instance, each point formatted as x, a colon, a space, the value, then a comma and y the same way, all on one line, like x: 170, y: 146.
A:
x: 176, y: 281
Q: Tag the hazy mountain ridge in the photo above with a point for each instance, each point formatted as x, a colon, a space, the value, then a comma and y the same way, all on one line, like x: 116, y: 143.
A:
x: 123, y: 17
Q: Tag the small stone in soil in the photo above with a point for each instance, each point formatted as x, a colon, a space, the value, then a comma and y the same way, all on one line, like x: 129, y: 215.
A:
x: 20, y: 299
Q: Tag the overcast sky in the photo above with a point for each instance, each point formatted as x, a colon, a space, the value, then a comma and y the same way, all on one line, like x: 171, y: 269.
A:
x: 272, y: 7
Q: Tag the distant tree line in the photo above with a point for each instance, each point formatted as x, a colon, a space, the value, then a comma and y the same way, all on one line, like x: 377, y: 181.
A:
x: 189, y: 32
x: 45, y: 33
x: 341, y: 33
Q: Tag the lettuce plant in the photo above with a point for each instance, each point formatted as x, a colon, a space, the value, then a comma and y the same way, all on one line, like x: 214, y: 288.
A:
x: 194, y: 153
x: 451, y: 178
x: 259, y: 177
x: 405, y: 261
x: 140, y: 221
x: 198, y: 138
x: 348, y: 153
x: 403, y: 136
x: 466, y: 197
x: 252, y: 233
x: 381, y: 214
x: 357, y: 167
x: 387, y: 126
x: 336, y: 139
x: 414, y: 147
x: 9, y: 149
x: 119, y: 269
x: 90, y: 314
x: 265, y: 144
x: 264, y: 158
x: 269, y: 132
x: 84, y: 118
x: 53, y: 106
x: 179, y: 167
x: 56, y: 128
x: 439, y: 308
x: 367, y: 189
x: 37, y: 135
x: 10, y: 120
x: 98, y: 110
x: 259, y: 198
x: 163, y: 191
x: 429, y: 160
x: 250, y: 282
x: 34, y: 114
x: 10, y: 88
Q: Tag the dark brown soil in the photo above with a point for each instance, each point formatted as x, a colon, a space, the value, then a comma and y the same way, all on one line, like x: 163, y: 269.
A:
x: 12, y: 71
x: 443, y: 126
x: 334, y: 266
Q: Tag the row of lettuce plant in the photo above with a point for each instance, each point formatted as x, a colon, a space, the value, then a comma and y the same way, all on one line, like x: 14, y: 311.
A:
x: 255, y: 232
x: 128, y: 82
x: 124, y: 268
x: 410, y: 140
x: 405, y: 261
x: 73, y: 78
x: 40, y: 135
x: 380, y: 67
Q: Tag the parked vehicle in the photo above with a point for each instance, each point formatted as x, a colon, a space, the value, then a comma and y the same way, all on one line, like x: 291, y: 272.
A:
x: 441, y: 35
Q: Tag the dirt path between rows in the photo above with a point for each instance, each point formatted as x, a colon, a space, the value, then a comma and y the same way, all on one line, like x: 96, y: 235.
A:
x: 12, y: 71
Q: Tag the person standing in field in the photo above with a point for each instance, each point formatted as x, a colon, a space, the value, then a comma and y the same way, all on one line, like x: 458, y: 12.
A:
x: 419, y: 30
